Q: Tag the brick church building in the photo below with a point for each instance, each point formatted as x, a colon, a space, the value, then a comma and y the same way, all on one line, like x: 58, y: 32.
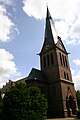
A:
x: 54, y: 79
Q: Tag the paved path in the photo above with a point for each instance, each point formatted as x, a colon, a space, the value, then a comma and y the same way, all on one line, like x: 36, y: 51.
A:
x: 63, y: 119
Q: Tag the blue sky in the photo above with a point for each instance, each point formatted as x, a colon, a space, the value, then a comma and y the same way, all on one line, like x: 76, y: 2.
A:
x: 22, y: 34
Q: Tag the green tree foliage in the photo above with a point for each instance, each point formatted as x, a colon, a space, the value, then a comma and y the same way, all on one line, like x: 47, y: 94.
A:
x: 78, y: 98
x: 1, y: 105
x: 78, y: 114
x: 22, y: 103
x: 78, y: 101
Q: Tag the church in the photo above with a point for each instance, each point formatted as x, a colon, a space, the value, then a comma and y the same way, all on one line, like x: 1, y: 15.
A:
x: 54, y: 77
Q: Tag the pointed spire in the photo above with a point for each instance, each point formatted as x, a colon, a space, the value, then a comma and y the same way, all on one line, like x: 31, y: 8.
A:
x: 50, y: 31
x: 48, y: 14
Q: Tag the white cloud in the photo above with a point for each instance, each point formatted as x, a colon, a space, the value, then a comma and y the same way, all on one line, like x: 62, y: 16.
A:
x: 67, y: 12
x: 72, y: 41
x: 77, y: 62
x: 76, y: 74
x: 7, y: 66
x: 35, y: 8
x: 58, y: 9
x: 62, y: 29
x: 75, y: 30
x: 76, y: 79
x: 7, y: 26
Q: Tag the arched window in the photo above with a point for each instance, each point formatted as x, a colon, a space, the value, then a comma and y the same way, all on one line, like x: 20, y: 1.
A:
x: 51, y: 57
x: 48, y: 60
x: 67, y: 76
x: 44, y: 62
x: 66, y: 62
x: 60, y: 58
x: 64, y: 75
x: 63, y: 60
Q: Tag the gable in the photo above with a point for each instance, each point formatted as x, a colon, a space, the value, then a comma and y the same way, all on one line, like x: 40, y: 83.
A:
x: 60, y: 45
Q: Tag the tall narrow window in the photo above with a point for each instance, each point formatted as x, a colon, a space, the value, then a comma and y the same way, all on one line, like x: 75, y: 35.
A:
x: 63, y: 58
x: 67, y: 76
x: 44, y: 62
x: 60, y: 58
x: 51, y: 57
x: 66, y: 62
x: 64, y: 75
x: 48, y: 61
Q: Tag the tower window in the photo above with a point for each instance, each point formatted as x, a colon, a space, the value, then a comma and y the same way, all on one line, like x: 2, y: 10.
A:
x: 67, y: 76
x: 44, y: 62
x: 63, y: 58
x: 48, y: 60
x: 66, y: 62
x: 60, y: 58
x: 64, y: 75
x: 51, y: 56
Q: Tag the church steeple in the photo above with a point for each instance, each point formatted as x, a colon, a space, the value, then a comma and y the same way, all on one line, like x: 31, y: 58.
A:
x: 50, y: 36
x: 48, y: 29
x: 48, y: 48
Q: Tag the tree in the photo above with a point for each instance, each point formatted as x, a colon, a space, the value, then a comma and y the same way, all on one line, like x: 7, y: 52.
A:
x: 22, y: 103
x: 78, y: 101
x: 78, y: 98
x: 1, y: 106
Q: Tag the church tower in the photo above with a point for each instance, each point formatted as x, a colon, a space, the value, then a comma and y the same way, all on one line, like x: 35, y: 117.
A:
x: 55, y: 66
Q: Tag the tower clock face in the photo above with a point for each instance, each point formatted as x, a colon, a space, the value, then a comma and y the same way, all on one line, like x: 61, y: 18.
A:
x: 60, y: 46
x: 46, y: 47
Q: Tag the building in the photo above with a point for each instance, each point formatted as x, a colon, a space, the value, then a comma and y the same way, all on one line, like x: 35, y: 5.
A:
x: 54, y: 79
x: 10, y: 84
x: 6, y: 87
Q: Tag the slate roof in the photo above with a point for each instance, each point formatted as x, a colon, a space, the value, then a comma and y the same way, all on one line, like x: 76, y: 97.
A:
x: 36, y: 74
x: 48, y: 29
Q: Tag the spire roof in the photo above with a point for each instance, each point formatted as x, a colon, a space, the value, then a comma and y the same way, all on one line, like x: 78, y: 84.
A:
x: 50, y: 37
x: 50, y: 31
x: 48, y: 16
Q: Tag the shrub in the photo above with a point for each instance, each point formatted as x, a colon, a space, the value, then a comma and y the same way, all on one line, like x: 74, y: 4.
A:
x: 78, y: 98
x: 78, y: 114
x: 22, y: 103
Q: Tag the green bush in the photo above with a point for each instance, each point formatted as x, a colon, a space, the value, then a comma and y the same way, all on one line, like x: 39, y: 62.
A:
x: 78, y: 98
x: 78, y: 114
x: 22, y: 103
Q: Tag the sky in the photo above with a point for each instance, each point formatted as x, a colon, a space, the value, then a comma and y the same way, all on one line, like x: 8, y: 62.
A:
x: 22, y: 24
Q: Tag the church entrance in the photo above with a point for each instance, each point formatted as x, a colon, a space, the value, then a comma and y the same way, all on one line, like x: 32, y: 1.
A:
x: 70, y: 103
